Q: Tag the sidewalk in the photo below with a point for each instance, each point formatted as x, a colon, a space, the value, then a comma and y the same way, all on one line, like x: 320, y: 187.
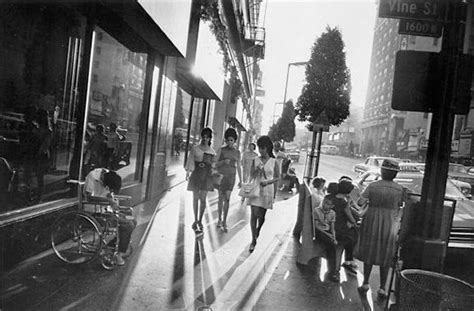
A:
x: 171, y: 270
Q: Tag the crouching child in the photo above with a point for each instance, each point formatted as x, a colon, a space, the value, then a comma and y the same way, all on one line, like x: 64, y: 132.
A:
x: 324, y: 219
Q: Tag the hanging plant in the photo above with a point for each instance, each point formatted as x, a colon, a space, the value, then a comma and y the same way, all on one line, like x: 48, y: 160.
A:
x: 210, y: 13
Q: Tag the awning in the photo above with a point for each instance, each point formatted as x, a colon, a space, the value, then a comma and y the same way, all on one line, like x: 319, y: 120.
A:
x: 129, y: 23
x: 236, y: 123
x: 191, y: 84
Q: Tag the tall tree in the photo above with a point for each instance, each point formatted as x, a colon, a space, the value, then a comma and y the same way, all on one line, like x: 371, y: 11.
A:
x: 285, y: 128
x: 286, y: 123
x: 327, y: 87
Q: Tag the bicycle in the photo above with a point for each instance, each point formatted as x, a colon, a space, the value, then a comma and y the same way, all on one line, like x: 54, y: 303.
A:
x: 80, y: 236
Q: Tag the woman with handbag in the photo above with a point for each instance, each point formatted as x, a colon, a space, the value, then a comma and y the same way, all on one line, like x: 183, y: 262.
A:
x: 266, y: 172
x: 199, y: 170
x: 228, y: 165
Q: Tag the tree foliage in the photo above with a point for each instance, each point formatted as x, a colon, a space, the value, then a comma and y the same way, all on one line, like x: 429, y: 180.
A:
x: 284, y: 128
x: 327, y: 87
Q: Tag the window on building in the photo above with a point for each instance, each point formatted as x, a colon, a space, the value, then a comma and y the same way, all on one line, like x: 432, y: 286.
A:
x: 41, y: 104
x: 115, y: 127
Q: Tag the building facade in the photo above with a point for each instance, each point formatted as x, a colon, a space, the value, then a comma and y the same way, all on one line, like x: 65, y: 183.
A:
x: 79, y: 75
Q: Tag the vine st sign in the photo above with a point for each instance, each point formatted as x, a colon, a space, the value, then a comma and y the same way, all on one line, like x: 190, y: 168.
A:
x: 430, y: 10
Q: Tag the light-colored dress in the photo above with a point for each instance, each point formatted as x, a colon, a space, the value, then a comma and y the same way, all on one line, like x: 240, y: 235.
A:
x: 265, y: 199
x: 380, y: 224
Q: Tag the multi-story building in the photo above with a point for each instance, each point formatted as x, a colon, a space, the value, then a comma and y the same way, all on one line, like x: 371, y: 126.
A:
x: 400, y: 133
x: 154, y: 68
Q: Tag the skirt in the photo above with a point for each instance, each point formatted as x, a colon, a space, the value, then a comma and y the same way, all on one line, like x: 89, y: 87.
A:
x: 227, y: 183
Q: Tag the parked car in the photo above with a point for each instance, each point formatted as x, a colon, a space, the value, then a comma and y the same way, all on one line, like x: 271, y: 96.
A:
x: 329, y: 149
x: 463, y: 219
x: 455, y: 174
x: 373, y: 162
x: 293, y: 154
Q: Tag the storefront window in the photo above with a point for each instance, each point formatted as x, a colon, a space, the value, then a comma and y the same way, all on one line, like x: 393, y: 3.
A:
x: 181, y: 126
x: 40, y: 62
x: 114, y: 121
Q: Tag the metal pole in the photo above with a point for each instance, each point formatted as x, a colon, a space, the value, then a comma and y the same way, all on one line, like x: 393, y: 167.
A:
x: 286, y: 83
x: 318, y: 151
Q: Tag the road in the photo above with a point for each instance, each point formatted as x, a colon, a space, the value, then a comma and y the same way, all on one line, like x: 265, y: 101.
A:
x: 331, y: 167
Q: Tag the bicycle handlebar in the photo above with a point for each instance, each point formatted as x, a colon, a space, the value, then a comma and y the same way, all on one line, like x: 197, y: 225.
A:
x: 74, y: 181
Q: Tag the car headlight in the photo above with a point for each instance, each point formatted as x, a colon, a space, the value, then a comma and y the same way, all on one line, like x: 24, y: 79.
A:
x: 466, y: 191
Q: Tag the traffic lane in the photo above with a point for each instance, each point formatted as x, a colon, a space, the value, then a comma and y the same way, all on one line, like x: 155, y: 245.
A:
x: 331, y: 167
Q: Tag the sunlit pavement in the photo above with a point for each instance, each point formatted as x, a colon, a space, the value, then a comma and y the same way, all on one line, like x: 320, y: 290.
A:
x: 172, y: 270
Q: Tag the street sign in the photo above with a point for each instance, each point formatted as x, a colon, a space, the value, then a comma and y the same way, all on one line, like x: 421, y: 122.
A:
x: 420, y: 28
x: 416, y: 82
x: 430, y: 10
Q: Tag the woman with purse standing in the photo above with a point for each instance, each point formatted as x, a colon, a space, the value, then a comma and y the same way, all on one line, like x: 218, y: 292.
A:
x: 228, y: 165
x: 266, y: 170
x: 199, y: 169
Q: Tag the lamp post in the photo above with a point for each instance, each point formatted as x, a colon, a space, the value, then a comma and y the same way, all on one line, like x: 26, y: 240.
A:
x: 286, y: 86
x: 287, y: 75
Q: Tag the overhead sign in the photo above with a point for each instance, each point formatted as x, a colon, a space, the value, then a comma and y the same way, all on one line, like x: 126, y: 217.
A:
x: 430, y: 10
x: 420, y: 28
x: 416, y: 82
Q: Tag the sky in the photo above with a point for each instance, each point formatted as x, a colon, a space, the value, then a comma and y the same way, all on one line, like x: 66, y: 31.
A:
x: 292, y: 27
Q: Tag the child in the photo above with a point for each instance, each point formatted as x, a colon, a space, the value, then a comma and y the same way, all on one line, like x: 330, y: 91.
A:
x: 324, y: 219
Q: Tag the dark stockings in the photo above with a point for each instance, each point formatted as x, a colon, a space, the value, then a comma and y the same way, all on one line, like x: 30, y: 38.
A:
x: 383, y: 275
x: 257, y: 218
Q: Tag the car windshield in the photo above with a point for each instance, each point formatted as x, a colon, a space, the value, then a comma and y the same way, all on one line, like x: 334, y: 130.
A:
x: 414, y: 183
x: 457, y: 169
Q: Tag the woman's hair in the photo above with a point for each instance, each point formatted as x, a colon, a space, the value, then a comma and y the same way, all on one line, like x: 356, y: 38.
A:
x: 208, y: 132
x: 266, y: 142
x: 345, y: 186
x: 318, y: 182
x: 333, y: 188
x: 254, y: 146
x: 113, y: 181
x: 388, y: 174
x: 230, y: 133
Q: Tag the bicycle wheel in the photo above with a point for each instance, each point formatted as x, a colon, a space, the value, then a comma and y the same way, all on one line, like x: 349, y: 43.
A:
x: 76, y: 238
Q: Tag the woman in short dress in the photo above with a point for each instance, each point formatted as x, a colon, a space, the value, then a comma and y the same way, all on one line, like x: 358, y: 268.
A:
x: 267, y: 172
x: 228, y: 165
x: 199, y: 168
x: 380, y: 224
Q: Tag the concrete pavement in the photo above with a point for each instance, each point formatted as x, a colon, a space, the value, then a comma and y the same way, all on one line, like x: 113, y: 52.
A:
x: 171, y: 270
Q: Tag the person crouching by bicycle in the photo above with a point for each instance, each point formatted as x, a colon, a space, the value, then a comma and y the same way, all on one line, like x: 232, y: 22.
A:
x: 100, y: 186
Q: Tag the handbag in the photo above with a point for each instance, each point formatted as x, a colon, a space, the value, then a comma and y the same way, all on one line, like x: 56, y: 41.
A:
x: 216, y: 179
x: 250, y: 189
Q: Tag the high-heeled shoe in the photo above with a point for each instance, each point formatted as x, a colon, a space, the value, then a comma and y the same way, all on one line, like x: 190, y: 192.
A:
x: 252, y: 246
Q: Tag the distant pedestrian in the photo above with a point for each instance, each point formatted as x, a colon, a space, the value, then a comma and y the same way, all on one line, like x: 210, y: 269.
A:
x: 247, y: 158
x: 380, y: 224
x: 228, y: 164
x: 199, y: 168
x: 267, y: 172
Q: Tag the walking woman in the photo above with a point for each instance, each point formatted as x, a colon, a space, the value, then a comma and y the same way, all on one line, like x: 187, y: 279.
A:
x: 378, y: 231
x: 199, y: 168
x: 247, y: 159
x: 267, y: 172
x: 228, y: 165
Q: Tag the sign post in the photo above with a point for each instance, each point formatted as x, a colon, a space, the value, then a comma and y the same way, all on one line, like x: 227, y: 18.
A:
x: 428, y: 249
